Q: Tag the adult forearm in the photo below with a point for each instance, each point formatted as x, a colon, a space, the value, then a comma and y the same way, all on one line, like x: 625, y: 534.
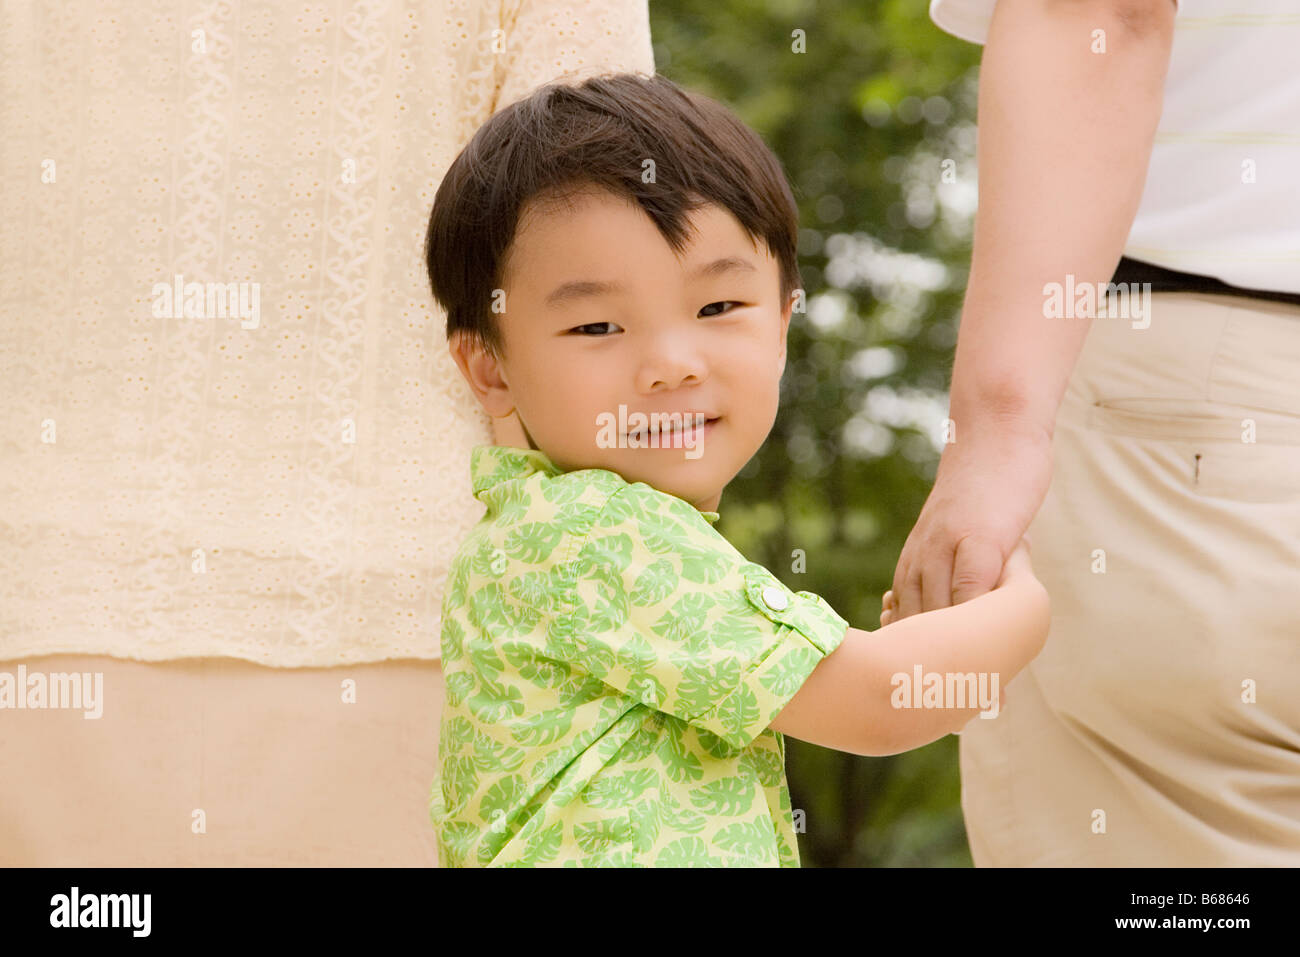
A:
x: 1065, y: 137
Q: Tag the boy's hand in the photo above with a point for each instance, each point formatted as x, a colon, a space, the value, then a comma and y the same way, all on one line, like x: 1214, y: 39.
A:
x: 1016, y: 568
x: 889, y: 608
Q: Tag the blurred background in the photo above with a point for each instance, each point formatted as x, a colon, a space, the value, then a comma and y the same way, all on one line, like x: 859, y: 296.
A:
x: 874, y: 122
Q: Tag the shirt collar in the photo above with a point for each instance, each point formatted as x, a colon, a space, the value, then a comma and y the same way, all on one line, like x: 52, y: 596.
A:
x: 490, y: 465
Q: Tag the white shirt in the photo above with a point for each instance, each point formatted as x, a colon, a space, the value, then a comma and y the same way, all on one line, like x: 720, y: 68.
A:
x: 289, y: 491
x: 1231, y: 114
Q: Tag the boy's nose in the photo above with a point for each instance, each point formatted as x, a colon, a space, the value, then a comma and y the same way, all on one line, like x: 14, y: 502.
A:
x: 666, y: 371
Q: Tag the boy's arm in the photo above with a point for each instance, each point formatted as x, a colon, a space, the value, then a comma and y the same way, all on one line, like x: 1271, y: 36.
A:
x: 845, y: 703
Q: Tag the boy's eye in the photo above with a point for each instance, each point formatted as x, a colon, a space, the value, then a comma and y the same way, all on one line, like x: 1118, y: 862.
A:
x: 725, y: 302
x: 591, y: 325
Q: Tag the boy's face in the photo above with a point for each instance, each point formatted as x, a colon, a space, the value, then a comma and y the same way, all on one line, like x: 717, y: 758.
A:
x: 669, y: 335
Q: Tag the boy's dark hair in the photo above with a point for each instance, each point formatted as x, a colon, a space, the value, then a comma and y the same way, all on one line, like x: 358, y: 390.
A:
x: 563, y: 138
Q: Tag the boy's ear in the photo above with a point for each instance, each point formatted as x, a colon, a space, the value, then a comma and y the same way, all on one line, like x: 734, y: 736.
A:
x: 785, y: 328
x: 484, y: 374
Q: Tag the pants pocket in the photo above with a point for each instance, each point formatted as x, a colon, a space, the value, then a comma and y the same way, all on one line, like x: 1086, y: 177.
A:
x: 1238, y: 452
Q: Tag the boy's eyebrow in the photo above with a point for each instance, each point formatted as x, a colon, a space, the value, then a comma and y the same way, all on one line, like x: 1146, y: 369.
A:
x: 580, y: 288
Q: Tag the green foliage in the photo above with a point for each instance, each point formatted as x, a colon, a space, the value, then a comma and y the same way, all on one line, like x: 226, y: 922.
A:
x: 862, y: 121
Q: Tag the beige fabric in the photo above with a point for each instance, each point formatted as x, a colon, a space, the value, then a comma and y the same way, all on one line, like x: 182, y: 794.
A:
x: 1135, y: 706
x: 284, y: 771
x: 289, y: 493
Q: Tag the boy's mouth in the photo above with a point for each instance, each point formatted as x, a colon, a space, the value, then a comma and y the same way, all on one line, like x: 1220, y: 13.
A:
x: 688, y: 424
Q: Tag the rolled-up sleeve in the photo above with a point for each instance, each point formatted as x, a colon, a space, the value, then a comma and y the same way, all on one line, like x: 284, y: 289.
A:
x: 668, y: 612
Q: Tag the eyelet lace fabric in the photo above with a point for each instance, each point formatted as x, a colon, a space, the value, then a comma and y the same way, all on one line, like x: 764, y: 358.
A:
x: 288, y: 491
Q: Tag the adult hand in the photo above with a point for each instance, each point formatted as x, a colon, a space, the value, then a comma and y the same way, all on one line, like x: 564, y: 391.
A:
x: 987, y: 489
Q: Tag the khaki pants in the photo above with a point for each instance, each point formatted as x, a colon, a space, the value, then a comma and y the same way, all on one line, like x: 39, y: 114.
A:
x: 273, y: 763
x: 1161, y: 723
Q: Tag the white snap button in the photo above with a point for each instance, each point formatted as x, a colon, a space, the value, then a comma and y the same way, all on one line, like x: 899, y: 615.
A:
x: 774, y: 598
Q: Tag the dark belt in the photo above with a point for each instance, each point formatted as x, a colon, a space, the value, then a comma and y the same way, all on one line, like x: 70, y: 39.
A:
x: 1171, y: 280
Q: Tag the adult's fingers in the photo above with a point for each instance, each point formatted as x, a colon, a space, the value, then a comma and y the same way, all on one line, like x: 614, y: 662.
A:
x: 976, y: 566
x: 907, y: 583
x: 936, y: 576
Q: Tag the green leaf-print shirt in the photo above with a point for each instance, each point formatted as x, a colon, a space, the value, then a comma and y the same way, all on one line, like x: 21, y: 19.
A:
x: 612, y: 665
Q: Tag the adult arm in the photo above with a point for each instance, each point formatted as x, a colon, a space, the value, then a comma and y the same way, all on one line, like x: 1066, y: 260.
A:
x: 1065, y: 136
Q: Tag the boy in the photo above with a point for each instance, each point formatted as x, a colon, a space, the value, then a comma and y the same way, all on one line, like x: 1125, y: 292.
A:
x: 619, y: 677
